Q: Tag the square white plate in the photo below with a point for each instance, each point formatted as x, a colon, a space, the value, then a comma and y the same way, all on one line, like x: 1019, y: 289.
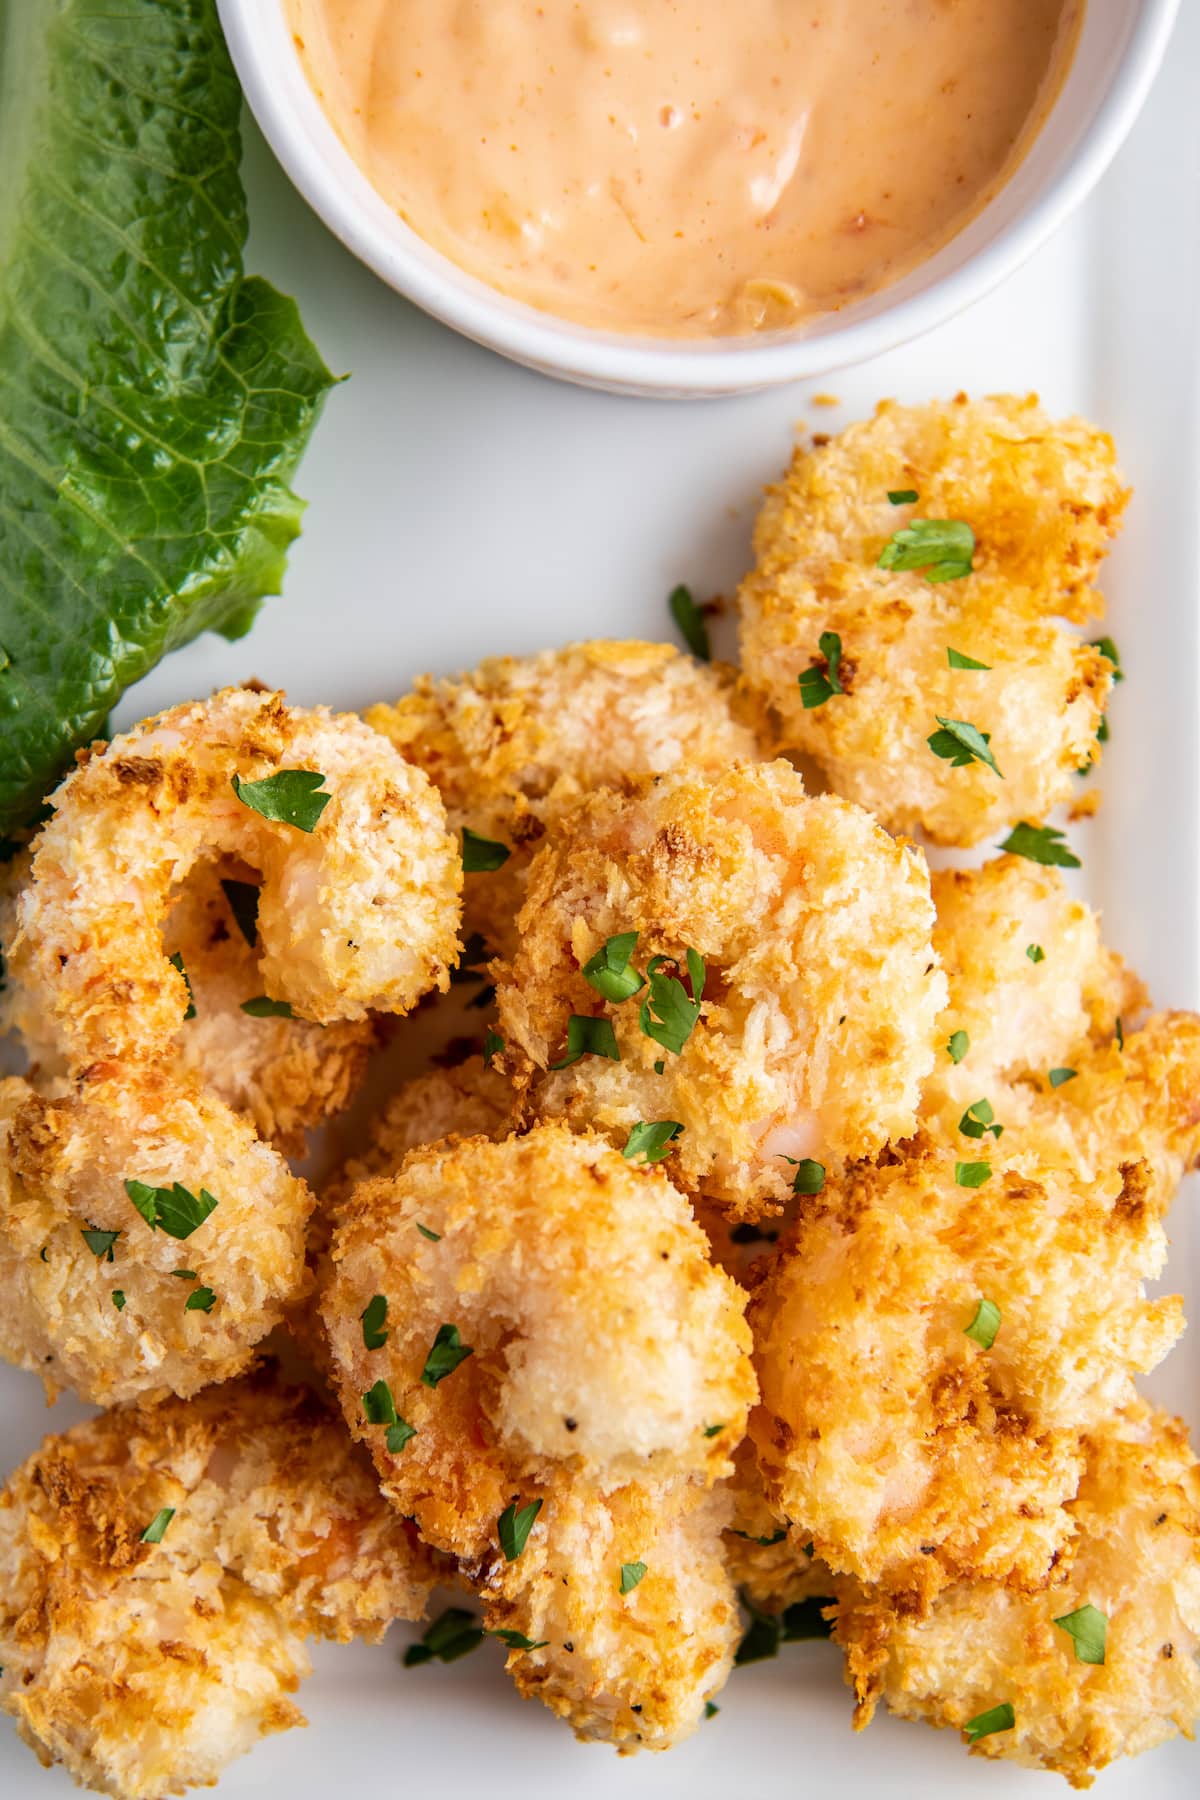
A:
x: 462, y: 507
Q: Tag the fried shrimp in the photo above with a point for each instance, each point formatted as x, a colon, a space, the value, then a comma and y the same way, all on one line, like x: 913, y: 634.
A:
x: 98, y: 1298
x: 358, y: 906
x: 1131, y: 1579
x: 159, y: 1572
x: 931, y: 1339
x: 550, y: 1373
x: 513, y: 743
x: 803, y: 1025
x: 1043, y: 500
x: 469, y: 1100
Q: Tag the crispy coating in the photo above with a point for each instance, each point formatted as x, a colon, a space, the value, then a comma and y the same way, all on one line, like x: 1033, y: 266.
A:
x: 909, y: 1453
x: 145, y: 1668
x: 609, y: 1379
x: 63, y: 1167
x: 821, y: 987
x: 1044, y: 499
x: 469, y: 1100
x: 359, y: 914
x: 516, y: 741
x: 1136, y: 1558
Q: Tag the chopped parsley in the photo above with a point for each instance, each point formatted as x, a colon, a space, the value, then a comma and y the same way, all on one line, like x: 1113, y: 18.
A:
x: 453, y: 1633
x: 1040, y: 844
x: 514, y: 1526
x: 173, y: 1210
x: 651, y: 1140
x: 809, y: 1177
x: 712, y: 1431
x: 156, y: 1530
x: 794, y: 1625
x: 588, y: 1037
x: 493, y: 1044
x: 100, y: 1243
x: 957, y: 660
x: 957, y: 1045
x: 435, y: 1237
x: 1119, y: 1034
x: 176, y: 963
x: 972, y: 1174
x: 445, y: 1354
x: 378, y: 1406
x: 1035, y: 953
x: 711, y: 1709
x: 609, y: 971
x: 997, y: 1718
x: 660, y: 1066
x: 1088, y: 1629
x: 398, y: 1435
x: 372, y: 1318
x: 691, y: 623
x: 959, y: 743
x: 903, y: 496
x: 243, y: 904
x: 820, y: 682
x: 939, y: 549
x: 984, y: 1325
x: 668, y: 1015
x: 516, y: 1640
x: 480, y: 855
x: 289, y: 797
x: 1057, y: 1077
x: 118, y: 1299
x: 631, y: 1574
x: 263, y: 1008
x: 185, y: 1274
x: 978, y: 1120
x: 202, y: 1300
x: 1107, y: 648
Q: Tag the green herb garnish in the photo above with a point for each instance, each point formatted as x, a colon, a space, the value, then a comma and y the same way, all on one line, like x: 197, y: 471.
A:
x: 809, y: 1177
x: 289, y: 797
x: 653, y: 1141
x: 263, y: 1008
x: 398, y: 1435
x: 693, y: 627
x: 588, y: 1037
x: 668, y: 1015
x: 820, y: 681
x: 609, y: 971
x: 378, y: 1406
x: 957, y: 1045
x: 514, y: 1525
x: 1057, y: 1077
x: 372, y: 1319
x: 516, y: 1640
x: 445, y: 1354
x: 631, y: 1574
x: 100, y: 1243
x: 939, y: 549
x: 203, y: 1300
x: 435, y: 1237
x: 972, y: 1174
x: 118, y: 1299
x: 156, y: 1530
x: 957, y: 660
x: 176, y: 962
x: 985, y: 1324
x: 978, y: 1120
x: 903, y: 496
x: 453, y: 1633
x: 480, y: 855
x: 493, y: 1044
x: 959, y: 743
x: 173, y: 1210
x: 1107, y: 648
x: 997, y: 1718
x: 1040, y: 844
x: 711, y: 1709
x: 1088, y: 1628
x: 243, y: 904
x: 1035, y: 953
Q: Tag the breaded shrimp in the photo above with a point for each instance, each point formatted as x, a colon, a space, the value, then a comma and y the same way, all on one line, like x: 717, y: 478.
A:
x: 1043, y: 499
x: 929, y: 1350
x: 514, y: 742
x: 820, y: 986
x: 145, y: 1664
x: 469, y: 1100
x: 99, y: 1300
x: 556, y: 1337
x: 1133, y: 1559
x: 357, y: 914
x: 772, y: 1567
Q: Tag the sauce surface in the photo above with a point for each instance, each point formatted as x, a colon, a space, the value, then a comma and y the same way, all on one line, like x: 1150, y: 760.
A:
x: 686, y: 167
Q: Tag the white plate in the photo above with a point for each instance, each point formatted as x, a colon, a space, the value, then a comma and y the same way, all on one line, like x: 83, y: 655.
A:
x: 461, y: 506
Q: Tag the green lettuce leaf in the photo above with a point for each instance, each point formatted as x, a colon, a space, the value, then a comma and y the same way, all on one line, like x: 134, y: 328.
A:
x: 154, y: 402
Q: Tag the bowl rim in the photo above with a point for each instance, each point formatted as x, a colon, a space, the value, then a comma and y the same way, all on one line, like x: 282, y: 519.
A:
x: 669, y: 368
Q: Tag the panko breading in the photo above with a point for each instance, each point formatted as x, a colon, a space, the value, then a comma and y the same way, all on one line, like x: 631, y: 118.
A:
x: 146, y: 1667
x: 911, y: 1454
x: 63, y: 1167
x: 1043, y: 498
x: 772, y: 1567
x: 358, y: 914
x: 469, y: 1100
x: 821, y: 988
x: 1134, y: 1559
x: 516, y: 741
x: 608, y: 1380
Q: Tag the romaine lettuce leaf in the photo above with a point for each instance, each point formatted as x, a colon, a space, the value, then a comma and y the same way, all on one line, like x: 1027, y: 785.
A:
x: 153, y: 401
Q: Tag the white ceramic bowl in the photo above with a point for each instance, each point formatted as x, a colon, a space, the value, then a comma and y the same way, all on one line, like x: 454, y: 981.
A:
x: 1120, y: 48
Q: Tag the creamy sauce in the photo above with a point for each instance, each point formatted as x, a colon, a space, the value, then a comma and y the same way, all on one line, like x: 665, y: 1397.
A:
x: 686, y: 167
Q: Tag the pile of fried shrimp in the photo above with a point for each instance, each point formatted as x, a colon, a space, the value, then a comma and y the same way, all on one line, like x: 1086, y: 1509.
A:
x: 768, y: 1249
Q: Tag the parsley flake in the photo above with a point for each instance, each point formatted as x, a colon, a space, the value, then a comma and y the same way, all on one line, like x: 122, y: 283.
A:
x: 588, y: 1037
x: 1057, y: 1077
x: 809, y: 1177
x: 480, y: 855
x: 100, y: 1243
x: 1119, y: 1034
x: 202, y: 1300
x: 516, y: 1640
x: 712, y: 1431
x: 288, y: 797
x: 1088, y: 1628
x: 372, y: 1318
x: 957, y: 660
x: 984, y: 1325
x: 972, y: 1174
x: 1040, y: 844
x: 261, y: 1007
x: 819, y: 682
x: 978, y: 1120
x: 957, y: 1045
x: 690, y: 621
x: 176, y: 962
x: 243, y: 904
x: 378, y: 1406
x: 398, y: 1435
x: 173, y: 1210
x: 903, y: 496
x: 631, y: 1574
x: 997, y: 1718
x: 445, y: 1354
x: 435, y: 1237
x: 651, y: 1140
x: 514, y: 1526
x: 1035, y: 953
x: 959, y: 743
x: 118, y: 1299
x: 939, y: 549
x: 156, y: 1530
x: 711, y: 1709
x: 668, y: 1015
x: 453, y: 1633
x: 1107, y: 648
x: 794, y: 1625
x: 609, y: 971
x: 493, y: 1044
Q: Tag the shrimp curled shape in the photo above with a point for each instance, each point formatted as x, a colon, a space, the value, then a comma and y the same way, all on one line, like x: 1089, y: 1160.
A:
x: 556, y: 1338
x: 358, y: 908
x: 145, y: 1664
x: 814, y: 1028
x: 97, y: 1297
